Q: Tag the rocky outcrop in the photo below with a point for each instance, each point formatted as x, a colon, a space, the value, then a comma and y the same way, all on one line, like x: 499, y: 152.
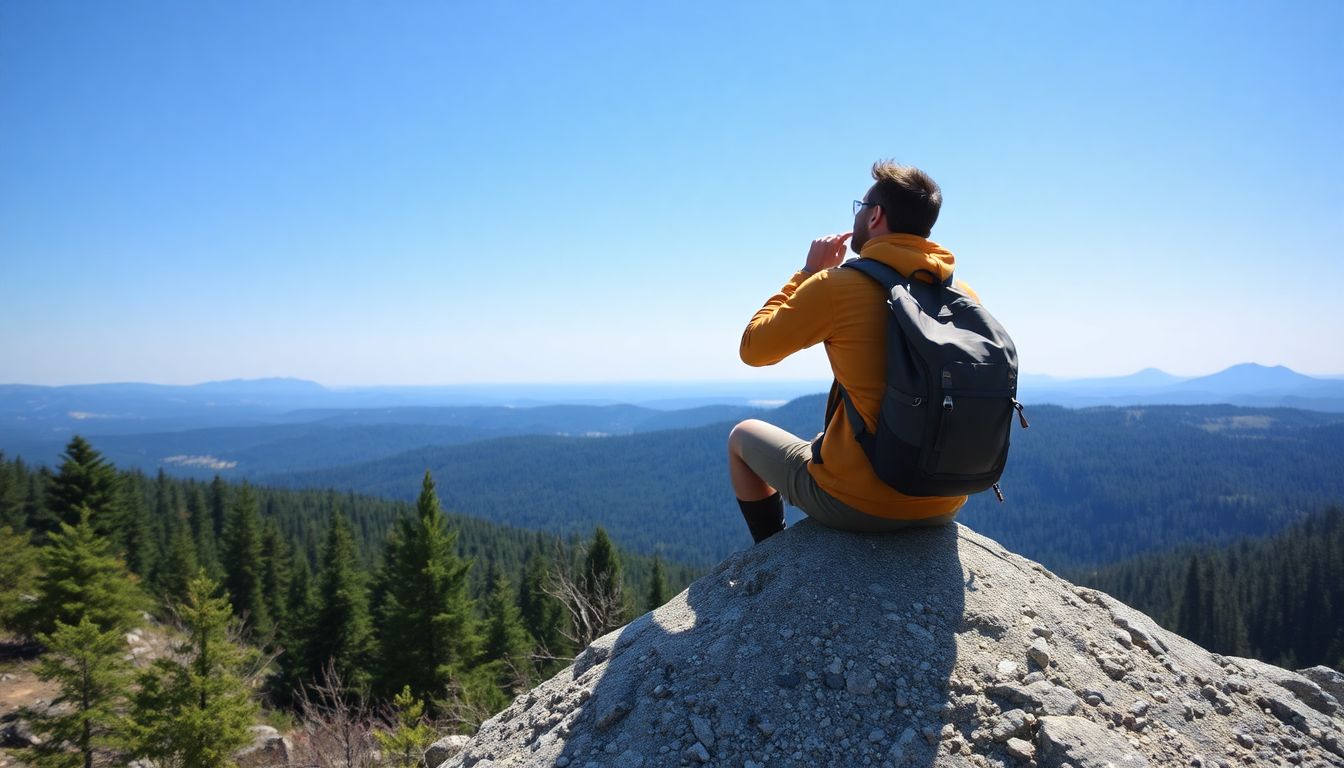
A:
x: 267, y: 749
x: 17, y: 733
x: 934, y: 647
x: 444, y: 748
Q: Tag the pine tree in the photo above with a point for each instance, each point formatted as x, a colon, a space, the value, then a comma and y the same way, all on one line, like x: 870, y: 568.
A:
x: 340, y: 633
x: 85, y: 480
x: 18, y: 574
x: 300, y: 607
x: 507, y: 647
x: 86, y: 662
x: 603, y: 582
x: 194, y: 711
x: 80, y: 578
x: 300, y: 600
x: 1228, y: 631
x: 219, y: 505
x: 11, y: 494
x: 203, y: 534
x: 242, y: 562
x: 657, y: 585
x: 426, y: 634
x: 404, y: 746
x: 1195, y: 615
x: 137, y: 539
x: 180, y: 565
x: 38, y: 519
x: 276, y: 558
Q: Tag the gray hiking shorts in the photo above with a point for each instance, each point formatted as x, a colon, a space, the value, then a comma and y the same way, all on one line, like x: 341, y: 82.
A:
x: 780, y: 458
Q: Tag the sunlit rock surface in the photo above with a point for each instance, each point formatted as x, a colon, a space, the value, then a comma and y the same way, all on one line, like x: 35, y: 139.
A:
x: 934, y: 647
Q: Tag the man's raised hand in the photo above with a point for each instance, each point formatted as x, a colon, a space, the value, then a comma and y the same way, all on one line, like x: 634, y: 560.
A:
x: 826, y: 252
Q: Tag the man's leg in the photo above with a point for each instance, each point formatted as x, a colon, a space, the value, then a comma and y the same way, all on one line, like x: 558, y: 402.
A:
x: 763, y: 458
x: 761, y: 504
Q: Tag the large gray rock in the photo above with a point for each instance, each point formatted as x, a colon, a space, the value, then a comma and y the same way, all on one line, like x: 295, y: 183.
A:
x: 1081, y: 743
x: 820, y: 647
x: 1330, y: 680
x: 268, y: 749
x: 443, y: 749
x: 17, y: 733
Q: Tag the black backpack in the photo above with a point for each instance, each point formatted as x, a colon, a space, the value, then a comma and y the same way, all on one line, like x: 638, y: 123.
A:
x: 942, y: 429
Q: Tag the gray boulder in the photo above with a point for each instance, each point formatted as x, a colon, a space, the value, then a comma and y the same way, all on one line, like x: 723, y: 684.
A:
x: 443, y: 749
x: 268, y: 749
x: 1330, y: 680
x: 17, y: 733
x: 820, y: 647
x: 1082, y: 743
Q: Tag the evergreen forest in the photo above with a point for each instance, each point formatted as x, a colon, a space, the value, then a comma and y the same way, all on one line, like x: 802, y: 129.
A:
x: 299, y: 601
x: 1137, y: 480
x: 1277, y: 598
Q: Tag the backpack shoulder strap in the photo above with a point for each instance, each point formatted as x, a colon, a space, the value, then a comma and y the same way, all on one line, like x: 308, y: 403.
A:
x: 837, y: 399
x: 887, y: 276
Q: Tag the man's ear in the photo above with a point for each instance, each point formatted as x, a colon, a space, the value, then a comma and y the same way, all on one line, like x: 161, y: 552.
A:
x: 877, y: 219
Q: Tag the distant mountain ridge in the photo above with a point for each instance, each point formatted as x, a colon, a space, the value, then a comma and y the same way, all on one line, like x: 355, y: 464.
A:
x: 30, y: 413
x: 1250, y: 377
x: 33, y: 414
x: 318, y: 439
x: 1249, y: 384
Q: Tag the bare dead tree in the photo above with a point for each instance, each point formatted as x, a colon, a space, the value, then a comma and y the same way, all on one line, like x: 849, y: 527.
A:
x: 460, y: 711
x: 337, y: 724
x: 593, y: 610
x: 521, y: 677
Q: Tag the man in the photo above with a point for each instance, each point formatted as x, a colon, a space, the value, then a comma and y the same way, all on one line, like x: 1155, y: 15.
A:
x: 847, y: 311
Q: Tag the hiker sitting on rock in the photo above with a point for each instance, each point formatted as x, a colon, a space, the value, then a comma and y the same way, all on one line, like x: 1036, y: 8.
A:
x: 847, y: 310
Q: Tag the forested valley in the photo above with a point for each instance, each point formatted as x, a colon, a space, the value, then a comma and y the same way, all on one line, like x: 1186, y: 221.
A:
x: 413, y: 607
x: 1278, y: 598
x: 310, y: 604
x: 1131, y: 480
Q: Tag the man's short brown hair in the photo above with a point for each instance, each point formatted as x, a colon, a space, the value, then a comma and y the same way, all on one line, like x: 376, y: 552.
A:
x: 910, y: 199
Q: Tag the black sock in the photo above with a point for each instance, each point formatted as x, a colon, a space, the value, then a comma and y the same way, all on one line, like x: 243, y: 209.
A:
x: 765, y: 517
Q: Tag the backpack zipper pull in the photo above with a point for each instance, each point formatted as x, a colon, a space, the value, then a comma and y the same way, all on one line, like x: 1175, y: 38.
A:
x: 1021, y: 417
x: 947, y: 403
x: 998, y: 492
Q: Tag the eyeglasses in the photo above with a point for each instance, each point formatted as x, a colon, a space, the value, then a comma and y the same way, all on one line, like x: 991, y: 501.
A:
x: 859, y: 205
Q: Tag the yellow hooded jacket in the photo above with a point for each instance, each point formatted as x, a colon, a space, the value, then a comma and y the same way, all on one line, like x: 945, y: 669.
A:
x: 847, y: 311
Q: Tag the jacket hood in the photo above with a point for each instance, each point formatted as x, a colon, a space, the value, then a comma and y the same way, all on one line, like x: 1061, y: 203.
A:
x: 909, y: 253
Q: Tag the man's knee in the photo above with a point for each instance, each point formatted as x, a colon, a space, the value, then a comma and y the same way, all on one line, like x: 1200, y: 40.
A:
x: 739, y: 433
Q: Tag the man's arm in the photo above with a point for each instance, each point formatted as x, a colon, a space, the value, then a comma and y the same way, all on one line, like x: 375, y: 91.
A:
x: 798, y: 316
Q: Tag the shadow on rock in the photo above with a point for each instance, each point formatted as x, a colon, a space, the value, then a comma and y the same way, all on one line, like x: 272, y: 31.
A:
x: 817, y: 647
x: 931, y: 647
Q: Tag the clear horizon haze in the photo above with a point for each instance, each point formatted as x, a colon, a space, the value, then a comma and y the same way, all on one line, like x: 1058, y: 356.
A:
x: 452, y: 193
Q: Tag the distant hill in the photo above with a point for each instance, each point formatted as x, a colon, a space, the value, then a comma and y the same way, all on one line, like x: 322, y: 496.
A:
x: 1146, y: 379
x: 36, y: 422
x: 250, y: 428
x: 1249, y: 378
x: 1084, y: 487
x: 1246, y: 384
x: 329, y: 438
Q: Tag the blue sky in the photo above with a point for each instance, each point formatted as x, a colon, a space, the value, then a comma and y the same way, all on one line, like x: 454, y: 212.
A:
x: 435, y: 193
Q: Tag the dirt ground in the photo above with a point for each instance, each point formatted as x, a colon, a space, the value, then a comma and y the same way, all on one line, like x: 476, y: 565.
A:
x: 20, y: 686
